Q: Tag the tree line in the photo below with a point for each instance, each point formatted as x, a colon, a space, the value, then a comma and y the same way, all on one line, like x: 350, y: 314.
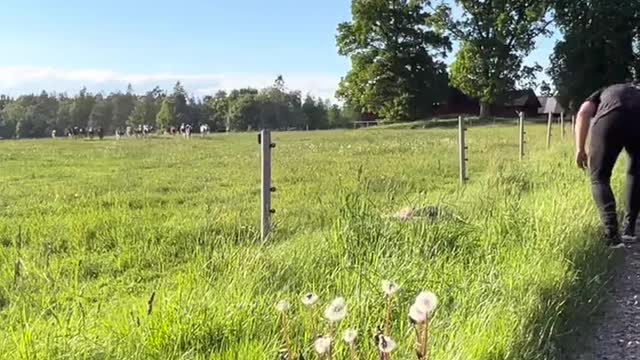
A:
x: 398, y: 48
x: 275, y: 107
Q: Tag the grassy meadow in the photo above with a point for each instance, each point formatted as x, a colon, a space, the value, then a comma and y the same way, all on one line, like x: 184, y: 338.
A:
x: 89, y: 230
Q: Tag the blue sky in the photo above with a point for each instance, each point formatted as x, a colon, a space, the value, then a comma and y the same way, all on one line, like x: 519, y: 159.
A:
x: 208, y: 44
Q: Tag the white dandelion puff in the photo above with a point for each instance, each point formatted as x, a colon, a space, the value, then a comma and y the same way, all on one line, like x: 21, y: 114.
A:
x: 386, y: 344
x: 350, y: 336
x: 417, y: 314
x: 389, y: 288
x: 428, y: 302
x: 322, y: 345
x: 310, y: 299
x: 336, y: 311
x: 283, y: 306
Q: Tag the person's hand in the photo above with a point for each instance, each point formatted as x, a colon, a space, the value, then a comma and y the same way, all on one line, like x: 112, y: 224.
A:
x: 582, y: 159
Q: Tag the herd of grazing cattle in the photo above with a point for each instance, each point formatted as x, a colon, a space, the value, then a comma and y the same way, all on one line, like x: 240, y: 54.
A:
x: 139, y: 131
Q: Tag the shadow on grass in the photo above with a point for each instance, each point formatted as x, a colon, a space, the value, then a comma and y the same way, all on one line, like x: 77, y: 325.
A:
x: 569, y: 314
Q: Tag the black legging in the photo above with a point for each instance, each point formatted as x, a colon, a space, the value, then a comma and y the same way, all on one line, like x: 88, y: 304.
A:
x: 609, y: 135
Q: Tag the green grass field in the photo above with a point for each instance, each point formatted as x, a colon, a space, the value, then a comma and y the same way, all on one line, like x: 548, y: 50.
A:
x: 90, y: 229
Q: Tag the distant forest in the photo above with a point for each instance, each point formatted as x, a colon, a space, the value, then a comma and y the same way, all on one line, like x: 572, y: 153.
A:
x: 275, y: 107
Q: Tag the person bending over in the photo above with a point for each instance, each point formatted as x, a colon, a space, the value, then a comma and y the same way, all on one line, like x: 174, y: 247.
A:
x: 616, y: 125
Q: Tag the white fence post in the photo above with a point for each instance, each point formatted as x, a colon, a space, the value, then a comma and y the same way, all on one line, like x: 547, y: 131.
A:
x: 264, y: 140
x: 521, y: 136
x: 549, y: 124
x: 463, y: 150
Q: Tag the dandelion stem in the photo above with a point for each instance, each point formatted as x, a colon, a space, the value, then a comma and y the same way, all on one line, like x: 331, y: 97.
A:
x: 333, y: 336
x: 313, y: 323
x: 354, y: 354
x: 387, y: 319
x: 418, y: 342
x: 425, y: 341
x: 287, y: 339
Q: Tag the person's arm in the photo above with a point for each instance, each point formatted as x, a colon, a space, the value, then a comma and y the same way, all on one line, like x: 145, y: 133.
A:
x: 586, y: 112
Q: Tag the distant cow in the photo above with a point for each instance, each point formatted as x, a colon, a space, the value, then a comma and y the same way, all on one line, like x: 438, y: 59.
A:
x: 75, y: 132
x: 53, y: 134
x: 187, y: 131
x: 204, y: 130
x: 119, y: 133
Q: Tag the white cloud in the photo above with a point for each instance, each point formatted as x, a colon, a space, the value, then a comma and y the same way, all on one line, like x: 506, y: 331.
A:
x: 19, y: 80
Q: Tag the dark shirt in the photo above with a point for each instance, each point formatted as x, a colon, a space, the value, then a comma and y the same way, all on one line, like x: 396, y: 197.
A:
x: 619, y: 96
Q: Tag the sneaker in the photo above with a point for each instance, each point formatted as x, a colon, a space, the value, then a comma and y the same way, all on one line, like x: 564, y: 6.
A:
x: 629, y: 231
x: 614, y: 243
x: 628, y: 235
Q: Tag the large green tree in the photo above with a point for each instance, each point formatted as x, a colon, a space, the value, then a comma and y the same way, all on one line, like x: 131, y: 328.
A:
x: 63, y: 116
x: 146, y: 108
x: 599, y: 47
x: 12, y: 114
x: 182, y: 109
x: 397, y: 69
x: 81, y: 108
x: 244, y: 110
x: 316, y: 113
x: 123, y: 105
x: 167, y: 115
x: 102, y: 114
x: 280, y: 108
x: 495, y: 37
x: 217, y: 110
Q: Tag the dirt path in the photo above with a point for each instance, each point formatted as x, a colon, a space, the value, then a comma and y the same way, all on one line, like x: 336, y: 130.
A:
x: 618, y: 334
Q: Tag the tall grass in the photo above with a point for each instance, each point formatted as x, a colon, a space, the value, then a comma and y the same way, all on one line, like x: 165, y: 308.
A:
x: 98, y: 227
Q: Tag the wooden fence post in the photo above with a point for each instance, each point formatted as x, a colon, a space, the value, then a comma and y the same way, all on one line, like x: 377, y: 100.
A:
x: 562, y: 125
x: 549, y: 124
x: 521, y: 136
x: 462, y: 151
x: 264, y: 140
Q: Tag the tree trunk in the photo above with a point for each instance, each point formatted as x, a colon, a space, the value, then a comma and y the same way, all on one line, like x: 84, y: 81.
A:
x: 485, y: 110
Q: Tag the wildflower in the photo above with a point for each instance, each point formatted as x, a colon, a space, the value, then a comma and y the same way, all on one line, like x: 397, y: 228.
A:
x: 310, y: 299
x: 428, y: 302
x: 386, y: 344
x: 389, y: 288
x: 336, y: 311
x: 283, y: 306
x: 417, y: 314
x: 420, y: 313
x: 322, y: 345
x: 350, y: 336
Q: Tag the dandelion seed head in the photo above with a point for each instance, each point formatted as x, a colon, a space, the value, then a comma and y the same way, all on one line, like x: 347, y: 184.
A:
x: 417, y: 314
x: 283, y: 306
x: 389, y: 288
x: 309, y: 299
x: 350, y: 336
x: 428, y: 302
x: 322, y: 345
x: 336, y: 311
x: 386, y: 344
